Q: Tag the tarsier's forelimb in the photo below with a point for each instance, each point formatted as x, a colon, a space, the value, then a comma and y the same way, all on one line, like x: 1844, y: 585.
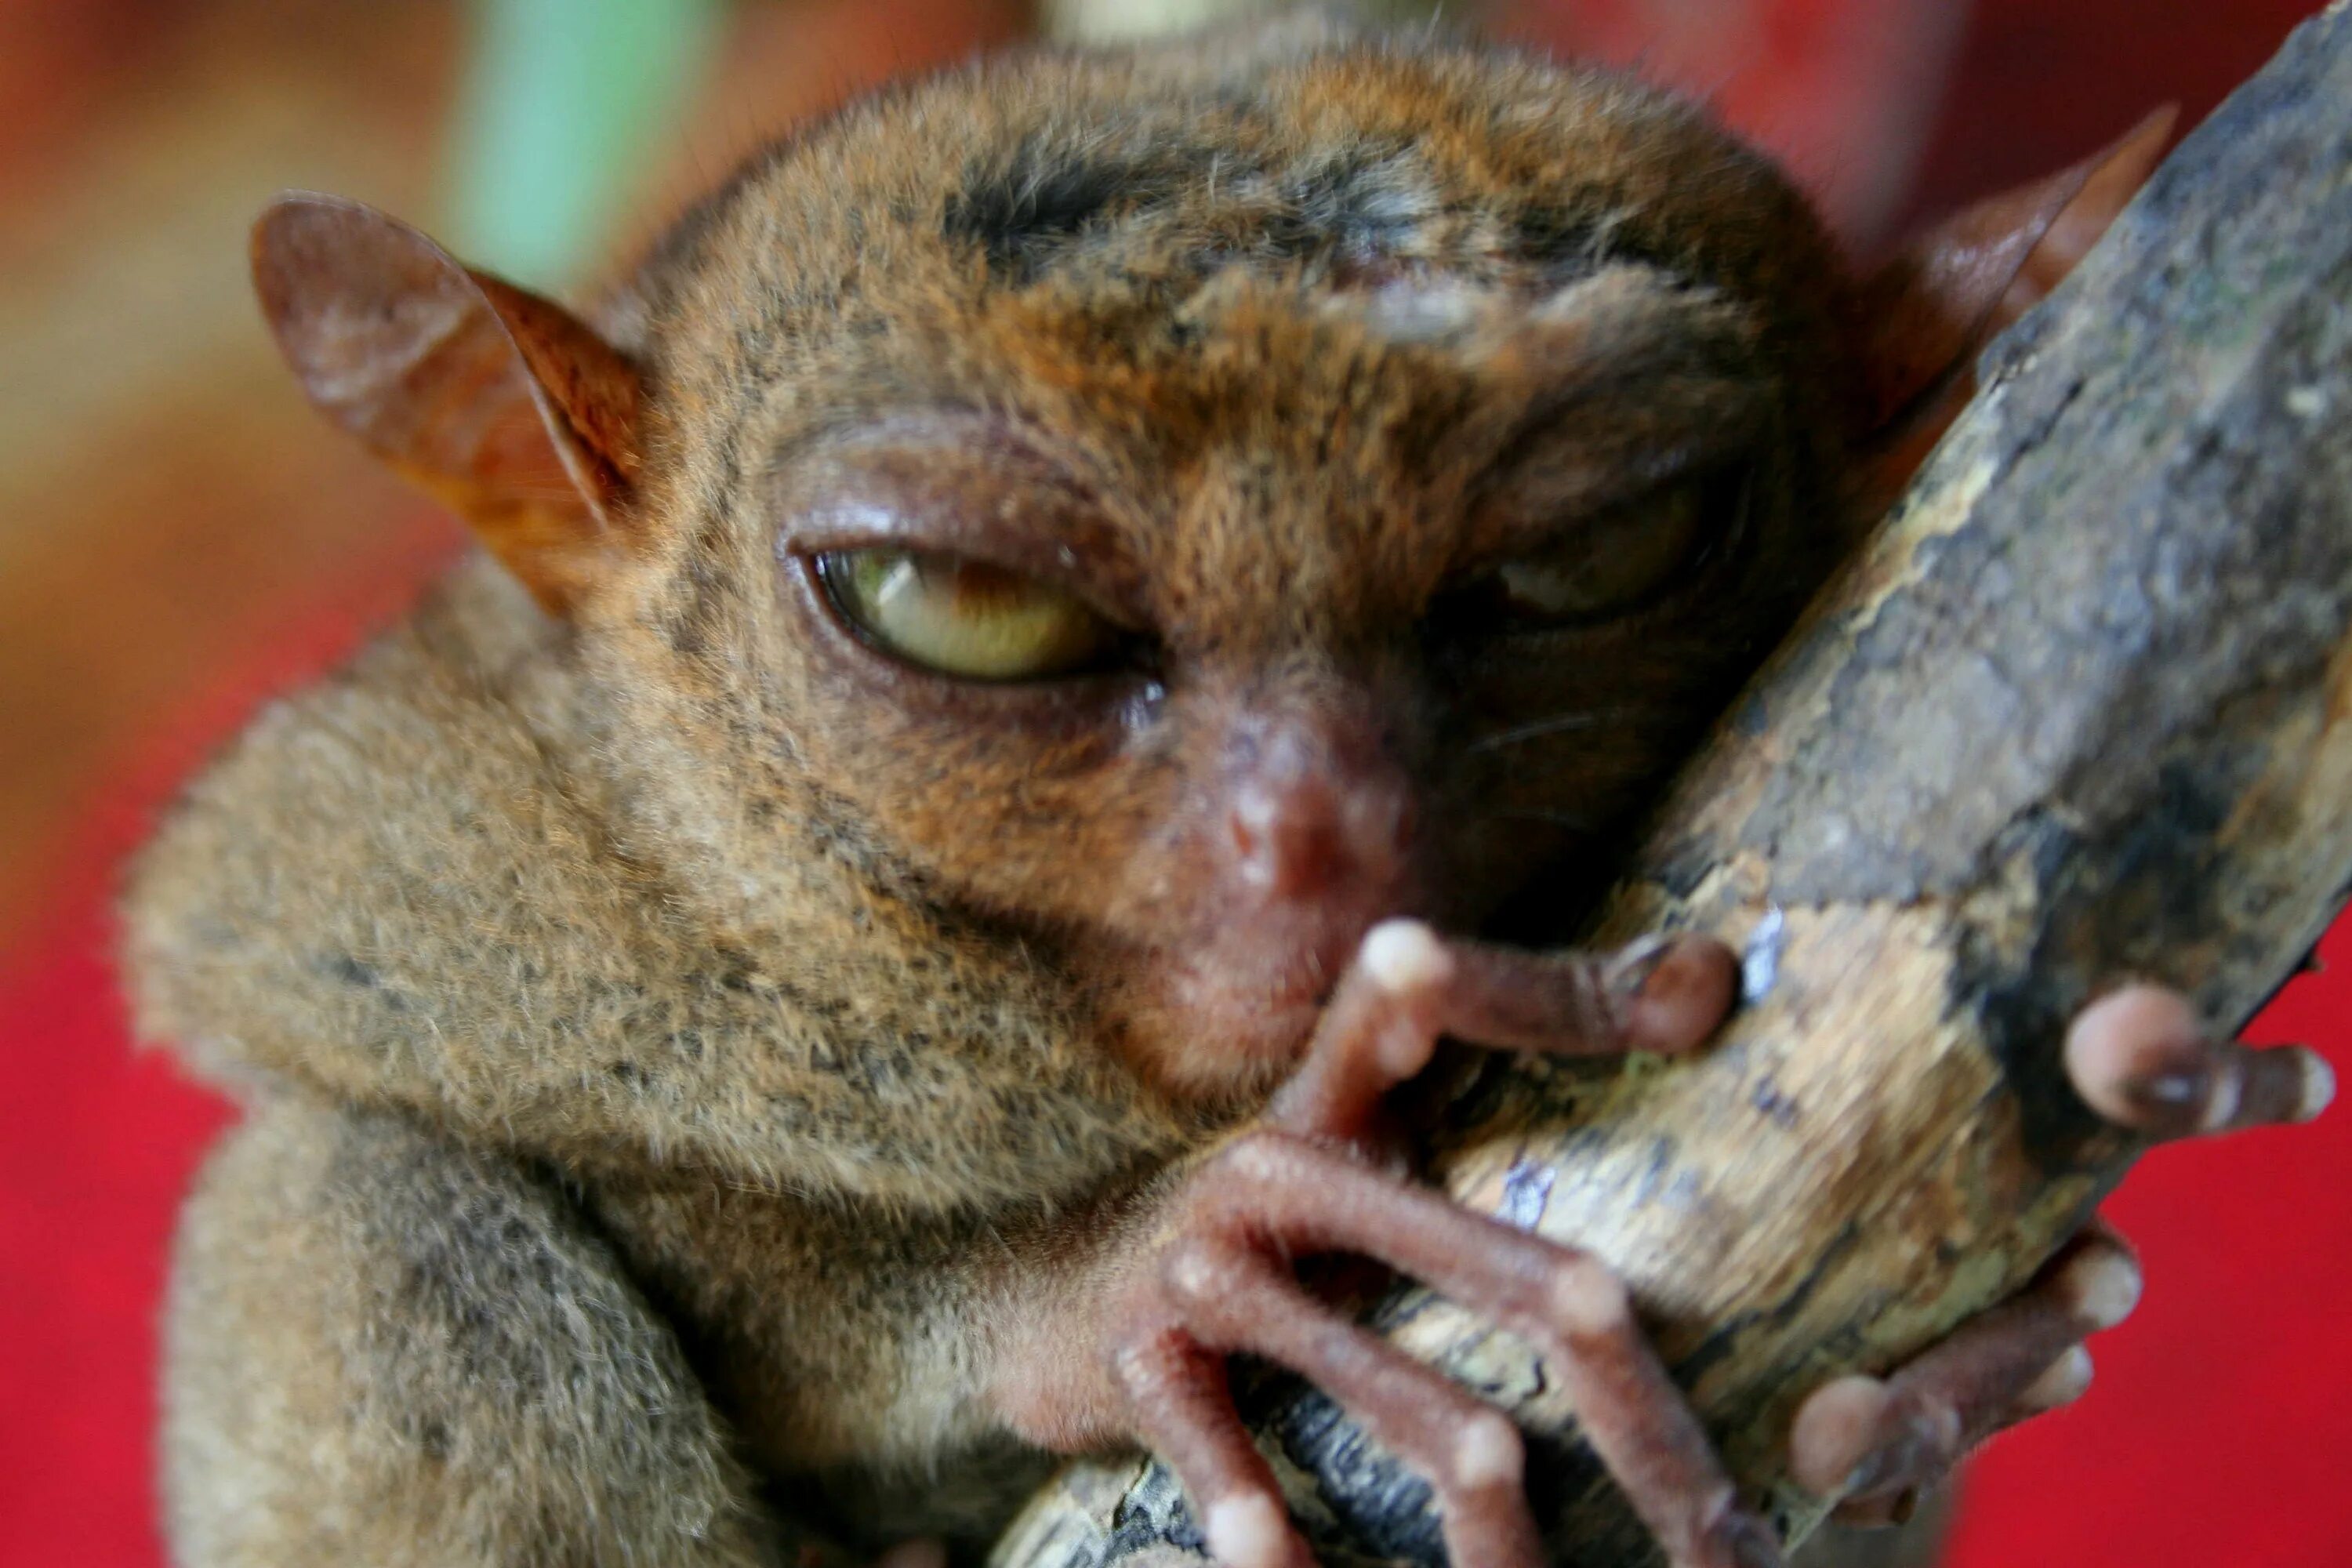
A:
x: 1323, y: 1174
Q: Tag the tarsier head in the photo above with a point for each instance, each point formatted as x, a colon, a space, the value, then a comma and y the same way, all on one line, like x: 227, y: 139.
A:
x: 1172, y: 511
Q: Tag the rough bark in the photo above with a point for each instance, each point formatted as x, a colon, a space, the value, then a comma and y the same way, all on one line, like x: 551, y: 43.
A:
x: 2082, y: 709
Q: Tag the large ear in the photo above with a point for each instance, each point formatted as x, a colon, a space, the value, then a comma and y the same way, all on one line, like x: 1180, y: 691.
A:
x: 502, y: 403
x: 1927, y: 313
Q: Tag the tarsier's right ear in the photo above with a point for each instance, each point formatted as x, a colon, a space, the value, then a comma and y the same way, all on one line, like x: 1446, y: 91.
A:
x: 501, y: 404
x: 1927, y: 313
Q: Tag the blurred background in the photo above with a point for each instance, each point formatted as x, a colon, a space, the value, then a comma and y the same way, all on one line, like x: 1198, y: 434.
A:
x: 179, y: 537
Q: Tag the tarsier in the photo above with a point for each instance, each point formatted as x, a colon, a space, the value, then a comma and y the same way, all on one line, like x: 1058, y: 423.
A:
x: 1024, y: 666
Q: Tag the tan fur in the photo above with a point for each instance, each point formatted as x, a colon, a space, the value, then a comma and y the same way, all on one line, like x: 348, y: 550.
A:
x: 677, y: 1063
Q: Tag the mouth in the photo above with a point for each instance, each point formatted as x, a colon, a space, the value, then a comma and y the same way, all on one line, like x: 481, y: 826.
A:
x: 1237, y: 1011
x: 1250, y: 1014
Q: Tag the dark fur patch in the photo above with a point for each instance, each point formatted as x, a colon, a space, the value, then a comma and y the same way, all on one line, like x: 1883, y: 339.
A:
x: 1038, y: 198
x: 1571, y: 243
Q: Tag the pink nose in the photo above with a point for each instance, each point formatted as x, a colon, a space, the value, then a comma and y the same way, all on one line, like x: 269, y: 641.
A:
x: 1314, y: 812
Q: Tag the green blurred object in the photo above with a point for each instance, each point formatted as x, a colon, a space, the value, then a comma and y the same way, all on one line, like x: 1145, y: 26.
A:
x: 564, y: 102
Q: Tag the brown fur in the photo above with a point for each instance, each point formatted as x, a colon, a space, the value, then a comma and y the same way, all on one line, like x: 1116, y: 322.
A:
x: 680, y: 1048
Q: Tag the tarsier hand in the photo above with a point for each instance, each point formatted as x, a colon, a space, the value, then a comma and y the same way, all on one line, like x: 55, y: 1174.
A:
x: 2139, y: 1058
x: 1323, y: 1172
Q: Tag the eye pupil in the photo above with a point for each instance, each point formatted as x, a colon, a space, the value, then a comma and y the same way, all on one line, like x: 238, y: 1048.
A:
x: 964, y: 617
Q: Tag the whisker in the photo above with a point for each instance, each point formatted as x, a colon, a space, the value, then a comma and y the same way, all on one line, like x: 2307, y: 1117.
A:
x: 1567, y: 819
x: 1559, y: 725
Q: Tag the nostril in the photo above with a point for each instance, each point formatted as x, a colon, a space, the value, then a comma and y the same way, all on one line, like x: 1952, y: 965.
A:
x: 1305, y: 837
x: 1251, y: 824
x: 1314, y: 810
x: 1287, y: 838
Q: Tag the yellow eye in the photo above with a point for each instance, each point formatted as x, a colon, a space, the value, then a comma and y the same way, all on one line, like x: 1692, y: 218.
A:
x: 1615, y: 565
x: 964, y: 617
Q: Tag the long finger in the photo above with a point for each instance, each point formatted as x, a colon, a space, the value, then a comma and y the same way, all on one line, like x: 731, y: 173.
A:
x: 1469, y: 1452
x: 1308, y: 1198
x: 1862, y: 1438
x: 1183, y: 1408
x: 2141, y: 1059
x: 1407, y: 987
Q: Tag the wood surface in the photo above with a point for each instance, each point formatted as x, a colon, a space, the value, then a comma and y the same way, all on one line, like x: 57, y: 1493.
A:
x: 2081, y: 709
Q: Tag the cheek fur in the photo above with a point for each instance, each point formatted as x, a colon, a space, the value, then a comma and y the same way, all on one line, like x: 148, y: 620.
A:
x: 1047, y: 827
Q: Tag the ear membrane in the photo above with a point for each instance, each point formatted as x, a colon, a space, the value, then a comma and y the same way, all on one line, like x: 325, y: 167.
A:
x: 501, y: 404
x: 1927, y: 313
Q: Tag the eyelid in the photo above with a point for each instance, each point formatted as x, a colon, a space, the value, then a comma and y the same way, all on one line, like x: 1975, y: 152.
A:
x: 1499, y: 533
x: 874, y: 492
x: 1727, y: 529
x: 1074, y: 707
x: 1054, y: 574
x: 837, y: 575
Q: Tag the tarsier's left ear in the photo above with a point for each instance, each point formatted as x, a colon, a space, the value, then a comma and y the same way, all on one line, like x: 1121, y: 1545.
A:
x: 501, y: 404
x: 1927, y: 313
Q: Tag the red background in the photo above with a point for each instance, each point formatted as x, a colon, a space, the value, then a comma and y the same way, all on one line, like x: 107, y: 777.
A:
x: 2223, y: 1412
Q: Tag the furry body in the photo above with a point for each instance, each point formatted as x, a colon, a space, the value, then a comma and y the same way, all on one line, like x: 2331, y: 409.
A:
x: 680, y: 1061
